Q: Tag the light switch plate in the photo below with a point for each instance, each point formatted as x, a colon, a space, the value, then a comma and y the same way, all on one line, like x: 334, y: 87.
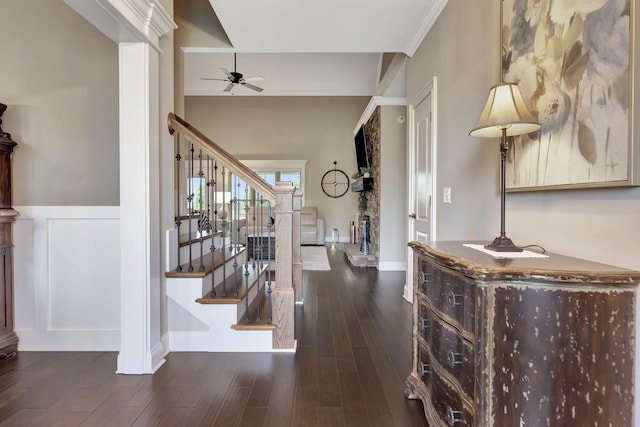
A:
x: 446, y: 195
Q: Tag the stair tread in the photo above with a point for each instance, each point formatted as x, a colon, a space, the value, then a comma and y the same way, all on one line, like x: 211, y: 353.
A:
x: 196, y: 272
x: 254, y: 326
x: 254, y: 274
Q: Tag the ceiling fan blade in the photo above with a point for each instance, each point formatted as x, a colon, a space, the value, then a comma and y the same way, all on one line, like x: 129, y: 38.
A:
x: 227, y: 72
x: 218, y: 80
x: 229, y: 87
x: 250, y: 86
x: 254, y: 79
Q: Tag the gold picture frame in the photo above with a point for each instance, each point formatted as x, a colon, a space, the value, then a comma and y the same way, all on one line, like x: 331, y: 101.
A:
x: 573, y: 62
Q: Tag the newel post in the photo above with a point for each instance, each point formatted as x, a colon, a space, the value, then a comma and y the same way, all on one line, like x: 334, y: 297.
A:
x: 283, y: 297
x: 297, y: 261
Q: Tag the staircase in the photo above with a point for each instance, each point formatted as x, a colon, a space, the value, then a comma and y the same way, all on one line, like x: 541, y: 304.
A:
x: 227, y: 289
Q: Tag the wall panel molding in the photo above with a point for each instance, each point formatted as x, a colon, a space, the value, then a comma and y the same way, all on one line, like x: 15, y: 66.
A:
x: 67, y: 271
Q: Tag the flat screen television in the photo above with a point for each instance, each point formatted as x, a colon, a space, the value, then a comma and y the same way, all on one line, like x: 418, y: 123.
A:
x: 362, y: 154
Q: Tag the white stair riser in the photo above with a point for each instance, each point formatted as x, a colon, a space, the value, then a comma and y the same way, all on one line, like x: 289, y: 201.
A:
x: 217, y: 317
x: 253, y: 292
x: 223, y: 271
x: 172, y: 249
x: 184, y: 225
x: 195, y: 248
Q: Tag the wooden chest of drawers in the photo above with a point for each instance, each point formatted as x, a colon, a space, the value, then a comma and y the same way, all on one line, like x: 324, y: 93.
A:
x: 534, y: 342
x: 8, y: 337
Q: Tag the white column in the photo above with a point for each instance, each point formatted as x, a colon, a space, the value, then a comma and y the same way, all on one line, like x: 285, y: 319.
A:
x: 137, y: 26
x: 141, y: 350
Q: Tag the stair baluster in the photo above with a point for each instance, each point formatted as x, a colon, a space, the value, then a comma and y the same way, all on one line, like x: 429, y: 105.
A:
x: 214, y: 199
x: 269, y: 277
x: 261, y: 255
x: 201, y: 218
x: 246, y: 260
x: 214, y: 182
x: 178, y: 200
x: 225, y: 225
x: 190, y: 202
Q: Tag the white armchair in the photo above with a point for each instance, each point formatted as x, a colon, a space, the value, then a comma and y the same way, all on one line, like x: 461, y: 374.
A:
x: 311, y: 226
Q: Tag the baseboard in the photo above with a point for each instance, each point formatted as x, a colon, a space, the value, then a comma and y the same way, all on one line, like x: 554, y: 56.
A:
x: 407, y: 294
x: 165, y: 343
x: 157, y: 356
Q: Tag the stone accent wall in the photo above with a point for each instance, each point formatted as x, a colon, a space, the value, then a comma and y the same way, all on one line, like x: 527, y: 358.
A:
x: 372, y: 133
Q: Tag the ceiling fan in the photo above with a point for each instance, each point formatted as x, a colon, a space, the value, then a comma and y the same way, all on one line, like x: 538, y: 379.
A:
x: 236, y: 78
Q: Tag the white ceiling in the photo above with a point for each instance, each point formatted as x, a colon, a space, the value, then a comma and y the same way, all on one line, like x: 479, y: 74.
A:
x: 300, y: 47
x: 323, y: 26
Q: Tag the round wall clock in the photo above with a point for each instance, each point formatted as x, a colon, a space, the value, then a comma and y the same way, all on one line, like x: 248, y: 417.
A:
x: 335, y: 183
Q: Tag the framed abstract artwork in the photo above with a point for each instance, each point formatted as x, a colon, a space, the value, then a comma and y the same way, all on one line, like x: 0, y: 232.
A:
x: 573, y: 62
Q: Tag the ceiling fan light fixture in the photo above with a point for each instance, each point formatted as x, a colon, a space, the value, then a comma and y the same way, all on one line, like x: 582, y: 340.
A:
x: 234, y: 78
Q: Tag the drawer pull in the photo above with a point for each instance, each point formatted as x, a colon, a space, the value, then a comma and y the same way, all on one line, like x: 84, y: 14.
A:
x: 424, y: 324
x: 452, y: 299
x: 452, y: 416
x: 424, y: 278
x: 454, y: 359
x: 423, y: 368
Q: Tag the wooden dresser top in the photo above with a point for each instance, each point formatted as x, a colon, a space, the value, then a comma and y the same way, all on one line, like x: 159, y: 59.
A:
x: 556, y: 268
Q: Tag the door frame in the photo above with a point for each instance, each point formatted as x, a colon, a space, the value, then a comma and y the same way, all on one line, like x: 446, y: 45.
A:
x: 429, y: 89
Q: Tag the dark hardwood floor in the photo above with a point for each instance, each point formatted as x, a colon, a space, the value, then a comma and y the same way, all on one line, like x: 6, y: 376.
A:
x: 354, y: 354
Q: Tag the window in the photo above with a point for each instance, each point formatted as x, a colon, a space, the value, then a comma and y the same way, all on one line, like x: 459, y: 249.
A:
x: 270, y: 177
x: 274, y: 176
x: 273, y: 171
x: 196, y: 186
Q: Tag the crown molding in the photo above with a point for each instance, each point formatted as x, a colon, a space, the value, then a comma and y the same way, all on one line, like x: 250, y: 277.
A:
x: 429, y: 19
x: 374, y: 102
x: 127, y: 20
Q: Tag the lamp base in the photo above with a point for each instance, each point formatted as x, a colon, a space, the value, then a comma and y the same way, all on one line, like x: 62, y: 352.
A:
x: 503, y: 244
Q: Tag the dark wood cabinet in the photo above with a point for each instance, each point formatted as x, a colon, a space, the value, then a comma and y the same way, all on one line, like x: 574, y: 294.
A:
x: 506, y: 342
x: 8, y: 337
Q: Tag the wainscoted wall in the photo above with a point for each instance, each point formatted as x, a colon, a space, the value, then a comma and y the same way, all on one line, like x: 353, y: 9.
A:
x: 67, y: 277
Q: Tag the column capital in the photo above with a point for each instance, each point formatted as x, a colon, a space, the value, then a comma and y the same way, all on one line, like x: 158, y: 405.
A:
x: 127, y: 20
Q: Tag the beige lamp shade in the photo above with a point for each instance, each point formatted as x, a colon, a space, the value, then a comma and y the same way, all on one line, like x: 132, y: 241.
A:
x: 505, y: 109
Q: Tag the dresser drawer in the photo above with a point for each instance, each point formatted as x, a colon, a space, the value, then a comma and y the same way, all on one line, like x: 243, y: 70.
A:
x: 423, y: 365
x: 454, y: 354
x: 452, y: 294
x: 424, y: 320
x: 449, y: 405
x: 424, y: 274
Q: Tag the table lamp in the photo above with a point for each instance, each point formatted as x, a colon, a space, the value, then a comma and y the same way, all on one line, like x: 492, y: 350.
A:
x: 505, y: 114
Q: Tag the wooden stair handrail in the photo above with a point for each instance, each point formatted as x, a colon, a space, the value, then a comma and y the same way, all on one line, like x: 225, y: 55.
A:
x: 176, y: 123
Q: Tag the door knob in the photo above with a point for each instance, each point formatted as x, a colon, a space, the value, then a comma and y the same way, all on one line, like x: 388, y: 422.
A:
x: 412, y: 216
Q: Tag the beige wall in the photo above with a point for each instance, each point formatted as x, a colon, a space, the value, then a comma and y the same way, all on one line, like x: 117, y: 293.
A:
x: 317, y: 129
x: 458, y: 51
x: 462, y: 51
x: 59, y: 79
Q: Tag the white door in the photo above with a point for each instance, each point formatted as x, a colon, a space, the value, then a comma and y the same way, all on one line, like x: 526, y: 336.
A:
x: 421, y: 215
